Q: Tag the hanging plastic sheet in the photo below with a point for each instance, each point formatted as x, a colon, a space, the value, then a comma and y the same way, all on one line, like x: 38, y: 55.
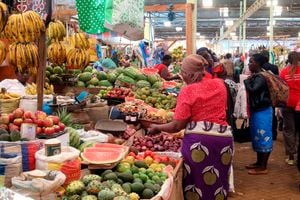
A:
x: 91, y: 15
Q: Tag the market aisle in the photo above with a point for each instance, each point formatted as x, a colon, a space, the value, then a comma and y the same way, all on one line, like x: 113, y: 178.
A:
x: 280, y: 184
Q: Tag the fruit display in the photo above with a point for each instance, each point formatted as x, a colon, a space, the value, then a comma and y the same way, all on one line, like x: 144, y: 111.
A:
x: 156, y: 99
x: 162, y: 142
x: 11, y: 123
x: 158, y: 116
x: 178, y: 54
x: 92, y: 78
x: 104, y: 153
x: 80, y: 41
x: 24, y: 57
x: 77, y: 58
x: 119, y: 93
x: 74, y: 137
x: 24, y: 27
x: 136, y: 177
x: 57, y: 53
x: 56, y: 30
x: 3, y: 52
x: 8, y: 95
x: 4, y: 14
x: 31, y: 89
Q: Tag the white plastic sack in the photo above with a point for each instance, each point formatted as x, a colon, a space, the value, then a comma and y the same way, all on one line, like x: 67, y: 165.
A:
x: 12, y: 167
x: 67, y: 153
x: 13, y: 86
x: 38, y: 188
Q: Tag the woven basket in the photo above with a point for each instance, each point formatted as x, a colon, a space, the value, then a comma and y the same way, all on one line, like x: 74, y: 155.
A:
x: 9, y: 105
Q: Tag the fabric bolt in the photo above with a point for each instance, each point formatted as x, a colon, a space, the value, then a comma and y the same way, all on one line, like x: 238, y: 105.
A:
x: 261, y: 130
x: 195, y: 104
x: 294, y: 85
x: 207, y: 167
x: 91, y: 15
x: 289, y: 132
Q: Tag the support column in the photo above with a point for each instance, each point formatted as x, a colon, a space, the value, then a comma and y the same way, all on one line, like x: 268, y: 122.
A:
x: 271, y: 39
x: 194, y: 23
x: 244, y: 29
x: 189, y: 29
x: 241, y: 27
x: 40, y: 79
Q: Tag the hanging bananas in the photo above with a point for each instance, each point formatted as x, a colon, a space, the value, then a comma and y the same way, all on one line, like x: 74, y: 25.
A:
x: 57, y: 53
x: 24, y: 57
x: 78, y: 58
x: 56, y: 30
x: 3, y: 52
x: 24, y: 27
x: 3, y: 15
x: 80, y: 40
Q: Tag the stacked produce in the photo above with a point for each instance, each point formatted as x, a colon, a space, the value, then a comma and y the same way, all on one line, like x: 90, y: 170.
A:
x: 178, y: 54
x: 4, y: 14
x: 23, y: 30
x: 78, y: 57
x: 162, y: 142
x: 10, y: 124
x: 156, y: 99
x: 136, y: 177
x: 56, y: 30
x: 158, y: 116
x: 3, y: 52
x: 74, y: 137
x: 54, y: 74
x: 92, y: 78
x: 119, y: 93
x: 31, y: 89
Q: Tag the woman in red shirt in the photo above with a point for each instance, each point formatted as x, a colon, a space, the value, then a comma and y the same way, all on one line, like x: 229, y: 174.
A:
x: 163, y: 70
x: 291, y: 74
x: 207, y: 145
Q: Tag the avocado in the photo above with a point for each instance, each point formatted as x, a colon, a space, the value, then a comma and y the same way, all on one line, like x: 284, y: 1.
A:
x: 106, y: 172
x: 140, y: 164
x: 126, y: 176
x: 147, y: 194
x: 127, y: 187
x: 151, y: 187
x: 111, y: 176
x: 137, y: 188
x: 4, y: 137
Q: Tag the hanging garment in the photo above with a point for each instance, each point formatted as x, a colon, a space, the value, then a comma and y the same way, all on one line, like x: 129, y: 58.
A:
x: 91, y: 15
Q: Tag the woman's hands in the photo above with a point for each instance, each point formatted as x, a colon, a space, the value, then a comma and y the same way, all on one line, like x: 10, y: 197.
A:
x: 153, y: 129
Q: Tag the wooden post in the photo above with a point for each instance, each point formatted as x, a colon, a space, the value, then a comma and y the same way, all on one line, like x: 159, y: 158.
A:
x: 172, y: 43
x: 40, y: 79
x: 189, y: 28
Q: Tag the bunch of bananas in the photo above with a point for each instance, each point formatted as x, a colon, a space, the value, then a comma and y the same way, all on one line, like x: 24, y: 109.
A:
x: 8, y: 95
x: 178, y: 54
x: 78, y: 58
x: 24, y: 27
x: 3, y: 15
x: 24, y: 57
x: 80, y: 40
x: 3, y: 52
x: 57, y: 53
x: 56, y: 30
x: 31, y: 89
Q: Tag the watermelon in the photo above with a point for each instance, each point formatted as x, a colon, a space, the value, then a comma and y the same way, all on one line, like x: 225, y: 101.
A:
x: 80, y: 84
x: 153, y: 79
x: 131, y: 72
x: 86, y: 145
x: 105, y: 83
x: 143, y: 84
x: 88, y: 69
x: 109, y: 145
x: 157, y: 85
x: 109, y: 149
x: 112, y: 77
x: 101, y: 75
x: 102, y: 156
x: 119, y: 70
x: 94, y: 81
x: 125, y: 80
x: 85, y: 77
x: 140, y: 77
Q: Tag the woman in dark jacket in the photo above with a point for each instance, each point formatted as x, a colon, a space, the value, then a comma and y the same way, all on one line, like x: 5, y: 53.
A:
x: 260, y: 115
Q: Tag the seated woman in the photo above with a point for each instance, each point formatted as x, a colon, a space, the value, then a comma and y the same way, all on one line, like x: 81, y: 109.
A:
x: 207, y: 145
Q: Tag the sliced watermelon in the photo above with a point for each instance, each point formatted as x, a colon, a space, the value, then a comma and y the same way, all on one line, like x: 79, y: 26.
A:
x: 102, y: 157
x: 104, y: 149
x: 110, y: 145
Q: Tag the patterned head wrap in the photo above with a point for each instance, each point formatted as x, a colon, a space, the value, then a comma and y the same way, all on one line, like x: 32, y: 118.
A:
x: 194, y: 66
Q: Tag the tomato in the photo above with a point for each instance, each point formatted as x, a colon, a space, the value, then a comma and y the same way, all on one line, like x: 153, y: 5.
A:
x: 132, y: 154
x: 148, y: 153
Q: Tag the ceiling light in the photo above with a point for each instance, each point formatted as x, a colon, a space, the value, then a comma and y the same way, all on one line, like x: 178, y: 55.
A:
x: 235, y: 37
x: 268, y: 28
x: 207, y: 3
x: 201, y: 37
x: 167, y: 24
x: 272, y: 2
x: 198, y: 34
x: 299, y: 34
x: 268, y: 34
x: 232, y: 34
x: 178, y: 29
x: 228, y: 22
x: 224, y: 12
x: 277, y: 11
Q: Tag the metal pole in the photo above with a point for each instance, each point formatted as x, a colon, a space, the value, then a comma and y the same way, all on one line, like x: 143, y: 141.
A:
x: 271, y: 39
x: 244, y: 29
x: 241, y: 27
x: 195, y: 2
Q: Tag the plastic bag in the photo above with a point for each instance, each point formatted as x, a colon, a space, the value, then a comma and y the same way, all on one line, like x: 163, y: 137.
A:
x: 39, y: 188
x: 10, y: 166
x: 125, y: 17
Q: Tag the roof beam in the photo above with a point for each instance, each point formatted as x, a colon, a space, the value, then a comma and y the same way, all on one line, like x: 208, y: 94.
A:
x: 250, y: 11
x: 161, y: 8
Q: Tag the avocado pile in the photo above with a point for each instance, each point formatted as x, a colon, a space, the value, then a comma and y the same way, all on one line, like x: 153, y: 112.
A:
x: 11, y: 136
